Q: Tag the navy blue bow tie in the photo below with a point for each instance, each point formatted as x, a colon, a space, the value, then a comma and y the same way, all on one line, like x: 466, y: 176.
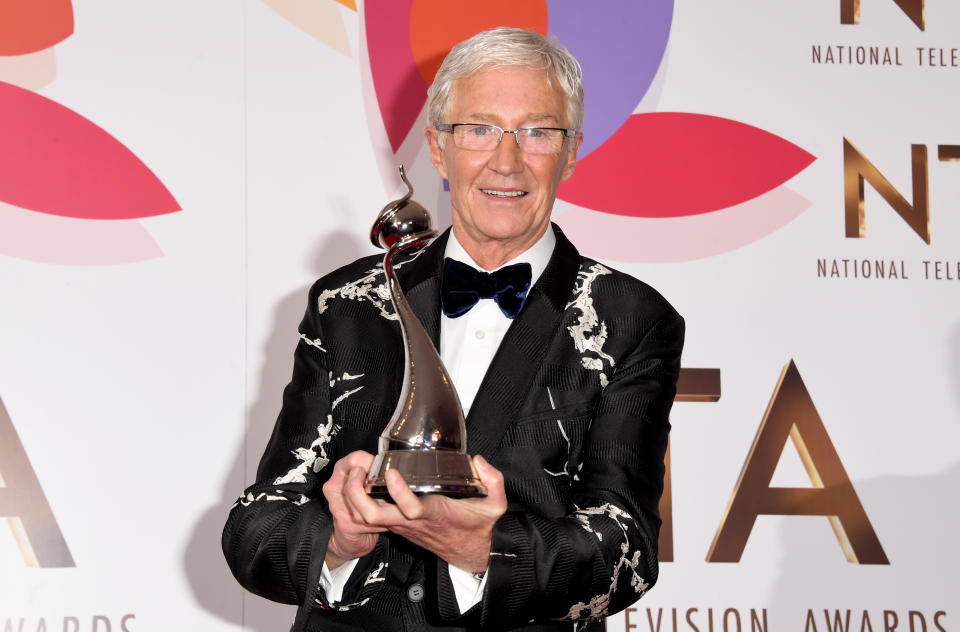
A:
x: 464, y: 285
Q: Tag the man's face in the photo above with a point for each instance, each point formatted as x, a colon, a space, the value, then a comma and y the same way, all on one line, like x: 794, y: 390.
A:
x: 502, y: 198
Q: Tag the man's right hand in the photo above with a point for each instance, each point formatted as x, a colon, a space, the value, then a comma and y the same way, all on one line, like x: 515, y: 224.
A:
x: 351, y: 537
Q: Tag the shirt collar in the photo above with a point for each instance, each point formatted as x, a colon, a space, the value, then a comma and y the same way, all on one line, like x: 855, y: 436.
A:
x: 538, y: 255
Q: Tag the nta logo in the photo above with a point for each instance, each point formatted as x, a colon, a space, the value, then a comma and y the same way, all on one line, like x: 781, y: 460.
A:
x: 857, y: 169
x: 850, y: 11
x: 790, y: 415
x: 24, y: 505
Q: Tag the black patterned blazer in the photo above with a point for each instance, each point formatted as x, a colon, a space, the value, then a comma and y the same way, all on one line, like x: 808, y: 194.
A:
x: 573, y: 410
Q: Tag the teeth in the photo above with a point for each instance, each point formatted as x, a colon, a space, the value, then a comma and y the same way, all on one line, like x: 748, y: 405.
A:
x: 504, y: 194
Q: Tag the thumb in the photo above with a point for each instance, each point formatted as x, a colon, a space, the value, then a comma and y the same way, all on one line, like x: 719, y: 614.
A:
x: 492, y: 479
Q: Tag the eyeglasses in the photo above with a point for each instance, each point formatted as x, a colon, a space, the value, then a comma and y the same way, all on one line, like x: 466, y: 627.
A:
x: 482, y: 137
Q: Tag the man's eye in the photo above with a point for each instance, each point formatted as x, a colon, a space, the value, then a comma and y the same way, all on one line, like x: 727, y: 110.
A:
x: 535, y: 132
x: 480, y: 131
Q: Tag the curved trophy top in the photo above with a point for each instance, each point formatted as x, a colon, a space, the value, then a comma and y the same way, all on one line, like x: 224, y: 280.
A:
x: 425, y: 439
x: 428, y: 414
x: 402, y: 219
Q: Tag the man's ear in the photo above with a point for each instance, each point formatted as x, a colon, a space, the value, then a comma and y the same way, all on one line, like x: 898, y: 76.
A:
x: 570, y: 163
x: 436, y: 151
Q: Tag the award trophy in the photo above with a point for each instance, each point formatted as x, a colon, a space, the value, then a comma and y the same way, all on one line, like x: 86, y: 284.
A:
x: 425, y: 439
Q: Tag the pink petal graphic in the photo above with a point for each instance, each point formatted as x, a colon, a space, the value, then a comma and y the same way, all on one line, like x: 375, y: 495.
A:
x: 400, y: 89
x: 663, y: 240
x: 55, y: 161
x: 32, y: 70
x: 670, y: 164
x: 65, y: 240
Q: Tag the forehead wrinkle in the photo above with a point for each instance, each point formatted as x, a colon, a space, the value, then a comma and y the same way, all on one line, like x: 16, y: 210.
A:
x: 494, y: 119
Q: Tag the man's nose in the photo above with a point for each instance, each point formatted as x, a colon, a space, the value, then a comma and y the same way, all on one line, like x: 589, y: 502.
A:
x: 507, y: 156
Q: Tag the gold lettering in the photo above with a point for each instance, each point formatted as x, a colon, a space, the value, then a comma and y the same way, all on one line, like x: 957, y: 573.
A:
x: 914, y: 614
x: 650, y: 619
x: 690, y: 613
x: 791, y: 413
x: 24, y: 505
x: 948, y: 153
x: 756, y: 623
x: 736, y: 616
x: 914, y: 9
x: 890, y: 620
x: 936, y: 620
x: 856, y: 169
x: 839, y: 625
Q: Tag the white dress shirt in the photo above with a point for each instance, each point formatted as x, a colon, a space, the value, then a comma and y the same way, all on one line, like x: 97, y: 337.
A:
x: 467, y: 346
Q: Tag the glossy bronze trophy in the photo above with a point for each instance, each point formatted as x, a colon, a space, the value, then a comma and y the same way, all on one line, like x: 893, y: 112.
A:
x: 426, y: 437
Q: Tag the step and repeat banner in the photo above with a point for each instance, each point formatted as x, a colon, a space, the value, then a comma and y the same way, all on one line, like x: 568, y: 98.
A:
x: 174, y: 175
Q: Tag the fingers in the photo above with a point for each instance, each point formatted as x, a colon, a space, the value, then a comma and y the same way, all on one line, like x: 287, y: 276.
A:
x: 333, y: 489
x: 352, y: 536
x: 403, y: 497
x: 492, y: 479
x: 357, y: 458
x: 364, y: 508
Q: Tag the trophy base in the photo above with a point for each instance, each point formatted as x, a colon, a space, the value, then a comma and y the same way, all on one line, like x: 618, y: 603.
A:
x: 445, y: 472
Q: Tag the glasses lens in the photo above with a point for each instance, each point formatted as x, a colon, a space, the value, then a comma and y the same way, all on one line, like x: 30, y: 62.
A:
x: 534, y: 140
x: 476, y: 137
x: 539, y: 140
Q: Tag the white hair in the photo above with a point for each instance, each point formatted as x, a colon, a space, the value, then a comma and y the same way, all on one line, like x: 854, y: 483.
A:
x: 507, y: 47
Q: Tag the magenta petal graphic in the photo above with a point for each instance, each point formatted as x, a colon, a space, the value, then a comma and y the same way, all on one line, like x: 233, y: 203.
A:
x: 671, y: 164
x: 400, y: 89
x: 53, y: 160
x: 671, y: 239
x: 69, y: 241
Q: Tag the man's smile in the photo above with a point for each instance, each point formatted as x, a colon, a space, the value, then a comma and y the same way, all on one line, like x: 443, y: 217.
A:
x: 503, y: 194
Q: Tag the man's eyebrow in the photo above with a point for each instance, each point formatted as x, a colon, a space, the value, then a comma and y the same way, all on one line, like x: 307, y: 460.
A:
x: 538, y: 117
x: 535, y: 117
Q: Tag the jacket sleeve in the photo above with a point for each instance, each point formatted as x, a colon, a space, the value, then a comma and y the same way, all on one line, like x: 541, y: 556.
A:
x: 275, y: 538
x: 602, y: 555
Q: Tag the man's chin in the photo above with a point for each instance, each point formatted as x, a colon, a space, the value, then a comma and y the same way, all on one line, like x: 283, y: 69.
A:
x: 513, y: 233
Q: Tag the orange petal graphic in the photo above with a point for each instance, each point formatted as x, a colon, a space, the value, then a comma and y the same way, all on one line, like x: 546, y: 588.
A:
x: 436, y: 25
x: 27, y: 26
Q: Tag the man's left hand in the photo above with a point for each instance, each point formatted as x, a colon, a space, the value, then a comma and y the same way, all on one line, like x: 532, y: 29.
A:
x: 459, y: 531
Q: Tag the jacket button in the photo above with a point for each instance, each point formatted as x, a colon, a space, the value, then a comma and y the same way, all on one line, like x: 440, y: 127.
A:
x: 415, y: 593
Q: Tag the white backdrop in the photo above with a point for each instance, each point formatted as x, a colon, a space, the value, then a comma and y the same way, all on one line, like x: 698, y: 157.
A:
x: 141, y: 366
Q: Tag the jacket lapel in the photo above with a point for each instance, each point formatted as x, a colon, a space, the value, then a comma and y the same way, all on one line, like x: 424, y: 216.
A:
x: 509, y: 379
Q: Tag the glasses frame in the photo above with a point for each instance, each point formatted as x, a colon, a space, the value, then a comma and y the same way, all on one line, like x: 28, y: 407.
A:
x: 449, y: 127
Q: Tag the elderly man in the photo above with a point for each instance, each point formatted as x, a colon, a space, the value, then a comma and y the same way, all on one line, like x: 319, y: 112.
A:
x: 567, y: 376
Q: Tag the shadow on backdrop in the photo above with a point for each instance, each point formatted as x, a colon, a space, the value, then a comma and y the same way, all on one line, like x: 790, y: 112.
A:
x: 212, y: 584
